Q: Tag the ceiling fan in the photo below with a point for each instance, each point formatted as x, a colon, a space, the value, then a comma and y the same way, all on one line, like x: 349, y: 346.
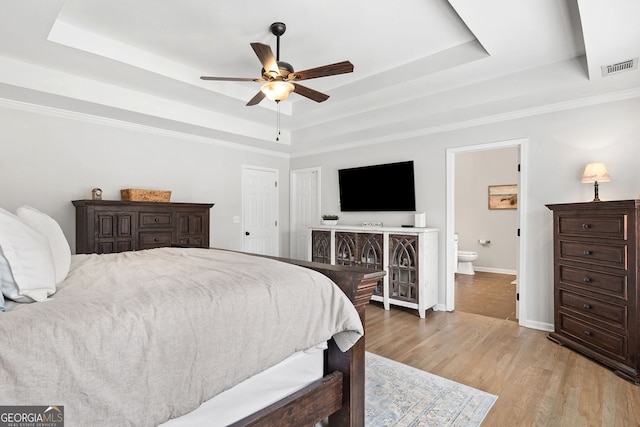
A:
x: 279, y: 77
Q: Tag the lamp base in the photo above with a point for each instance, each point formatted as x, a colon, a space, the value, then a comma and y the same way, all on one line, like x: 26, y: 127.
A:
x: 595, y: 192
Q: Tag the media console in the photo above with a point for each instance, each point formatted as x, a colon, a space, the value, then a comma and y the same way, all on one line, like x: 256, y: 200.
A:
x: 408, y: 255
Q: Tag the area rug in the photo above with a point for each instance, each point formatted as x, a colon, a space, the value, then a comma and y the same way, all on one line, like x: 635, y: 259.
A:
x: 399, y: 395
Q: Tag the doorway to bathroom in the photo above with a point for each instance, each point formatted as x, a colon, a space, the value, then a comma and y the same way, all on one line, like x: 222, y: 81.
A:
x: 484, y: 217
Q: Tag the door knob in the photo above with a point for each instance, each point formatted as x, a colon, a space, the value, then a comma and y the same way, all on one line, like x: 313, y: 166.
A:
x: 246, y: 233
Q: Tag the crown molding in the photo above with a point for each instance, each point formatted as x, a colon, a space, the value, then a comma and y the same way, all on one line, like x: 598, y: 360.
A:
x: 496, y: 118
x: 122, y: 124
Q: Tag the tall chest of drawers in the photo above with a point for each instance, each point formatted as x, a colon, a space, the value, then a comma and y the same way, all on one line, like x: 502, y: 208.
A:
x: 596, y: 282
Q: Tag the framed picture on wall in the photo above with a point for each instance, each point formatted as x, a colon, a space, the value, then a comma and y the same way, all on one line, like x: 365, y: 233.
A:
x: 503, y: 196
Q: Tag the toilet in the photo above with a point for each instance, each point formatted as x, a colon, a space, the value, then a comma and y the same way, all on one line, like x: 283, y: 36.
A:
x: 465, y: 262
x: 465, y: 259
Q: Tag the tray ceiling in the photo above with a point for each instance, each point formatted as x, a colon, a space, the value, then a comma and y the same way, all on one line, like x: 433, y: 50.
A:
x: 420, y: 66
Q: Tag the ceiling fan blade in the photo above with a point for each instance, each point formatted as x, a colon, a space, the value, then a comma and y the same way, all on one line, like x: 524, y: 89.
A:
x: 265, y: 55
x: 324, y: 71
x: 231, y: 79
x: 314, y: 95
x: 256, y: 99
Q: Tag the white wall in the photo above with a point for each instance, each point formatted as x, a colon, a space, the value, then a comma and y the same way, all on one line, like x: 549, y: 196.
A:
x: 47, y: 161
x: 559, y: 145
x: 474, y: 221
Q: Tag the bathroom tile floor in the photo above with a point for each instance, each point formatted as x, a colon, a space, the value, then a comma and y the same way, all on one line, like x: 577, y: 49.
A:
x: 487, y: 294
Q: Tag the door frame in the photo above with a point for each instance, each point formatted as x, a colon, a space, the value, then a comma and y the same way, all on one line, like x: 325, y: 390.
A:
x: 277, y: 204
x: 292, y: 197
x: 450, y: 256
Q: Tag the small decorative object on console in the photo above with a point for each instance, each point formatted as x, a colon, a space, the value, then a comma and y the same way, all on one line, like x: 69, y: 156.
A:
x: 330, y: 219
x: 372, y: 224
x: 96, y: 194
x: 136, y: 195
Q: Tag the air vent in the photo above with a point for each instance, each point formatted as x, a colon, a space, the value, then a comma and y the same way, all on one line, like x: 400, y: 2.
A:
x: 620, y: 67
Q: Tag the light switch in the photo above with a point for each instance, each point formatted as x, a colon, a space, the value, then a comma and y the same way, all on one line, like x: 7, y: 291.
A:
x: 236, y: 219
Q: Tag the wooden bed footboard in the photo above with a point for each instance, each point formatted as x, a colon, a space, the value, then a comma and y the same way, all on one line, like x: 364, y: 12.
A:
x: 339, y: 395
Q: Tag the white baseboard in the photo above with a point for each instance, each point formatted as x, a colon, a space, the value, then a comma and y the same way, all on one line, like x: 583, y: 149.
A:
x: 541, y: 326
x: 494, y: 270
x: 439, y: 307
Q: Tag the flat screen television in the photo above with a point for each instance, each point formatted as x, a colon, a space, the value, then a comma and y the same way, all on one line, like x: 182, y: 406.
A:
x: 387, y: 187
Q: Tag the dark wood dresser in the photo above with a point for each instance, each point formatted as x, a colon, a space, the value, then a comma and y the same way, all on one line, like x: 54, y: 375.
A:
x: 596, y: 262
x: 107, y: 226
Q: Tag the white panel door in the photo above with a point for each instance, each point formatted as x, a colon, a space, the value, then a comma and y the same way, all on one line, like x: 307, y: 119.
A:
x: 260, y: 210
x: 305, y: 209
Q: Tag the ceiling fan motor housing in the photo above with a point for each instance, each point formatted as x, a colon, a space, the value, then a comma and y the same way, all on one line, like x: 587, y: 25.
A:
x: 284, y: 67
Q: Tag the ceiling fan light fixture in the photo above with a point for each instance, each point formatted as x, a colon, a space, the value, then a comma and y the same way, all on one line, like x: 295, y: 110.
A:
x: 278, y: 90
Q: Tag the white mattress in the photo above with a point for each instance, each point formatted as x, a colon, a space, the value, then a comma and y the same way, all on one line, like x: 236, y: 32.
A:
x: 257, y: 392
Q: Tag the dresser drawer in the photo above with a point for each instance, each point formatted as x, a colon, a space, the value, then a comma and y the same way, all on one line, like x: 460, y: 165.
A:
x: 611, y: 314
x: 609, y: 226
x: 614, y: 255
x: 158, y: 219
x: 192, y: 241
x: 602, y: 339
x: 149, y: 240
x: 595, y: 281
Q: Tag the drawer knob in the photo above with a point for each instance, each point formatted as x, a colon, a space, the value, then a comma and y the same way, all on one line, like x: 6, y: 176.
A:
x: 156, y: 239
x: 587, y: 333
x: 586, y: 226
x: 156, y: 219
x: 587, y: 280
x: 587, y: 306
x: 587, y: 253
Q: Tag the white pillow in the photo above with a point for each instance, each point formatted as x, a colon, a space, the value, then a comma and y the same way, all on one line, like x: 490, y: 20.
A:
x: 26, y: 264
x: 57, y: 242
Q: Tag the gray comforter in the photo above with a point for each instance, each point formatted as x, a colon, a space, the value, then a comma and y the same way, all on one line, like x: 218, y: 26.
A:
x: 136, y: 338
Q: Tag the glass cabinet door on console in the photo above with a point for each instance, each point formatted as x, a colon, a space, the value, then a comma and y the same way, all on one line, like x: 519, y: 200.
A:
x: 403, y: 268
x: 346, y: 248
x: 370, y: 255
x: 321, y: 246
x: 360, y: 249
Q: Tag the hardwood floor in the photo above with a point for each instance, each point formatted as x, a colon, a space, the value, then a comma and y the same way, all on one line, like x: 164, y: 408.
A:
x: 488, y: 294
x: 538, y: 383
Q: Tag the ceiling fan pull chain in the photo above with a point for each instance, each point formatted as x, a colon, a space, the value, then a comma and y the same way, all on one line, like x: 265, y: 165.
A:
x: 278, y: 120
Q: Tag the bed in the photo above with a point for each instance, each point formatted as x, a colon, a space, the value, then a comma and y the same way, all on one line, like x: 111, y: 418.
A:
x: 142, y: 338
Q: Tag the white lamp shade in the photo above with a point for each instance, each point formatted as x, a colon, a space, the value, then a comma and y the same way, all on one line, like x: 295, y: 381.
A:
x: 595, y: 172
x: 277, y: 91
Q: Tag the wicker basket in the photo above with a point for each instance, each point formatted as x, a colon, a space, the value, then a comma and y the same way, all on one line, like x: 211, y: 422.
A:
x: 136, y: 195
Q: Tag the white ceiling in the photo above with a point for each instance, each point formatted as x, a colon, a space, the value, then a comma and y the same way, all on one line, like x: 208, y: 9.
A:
x: 421, y: 66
